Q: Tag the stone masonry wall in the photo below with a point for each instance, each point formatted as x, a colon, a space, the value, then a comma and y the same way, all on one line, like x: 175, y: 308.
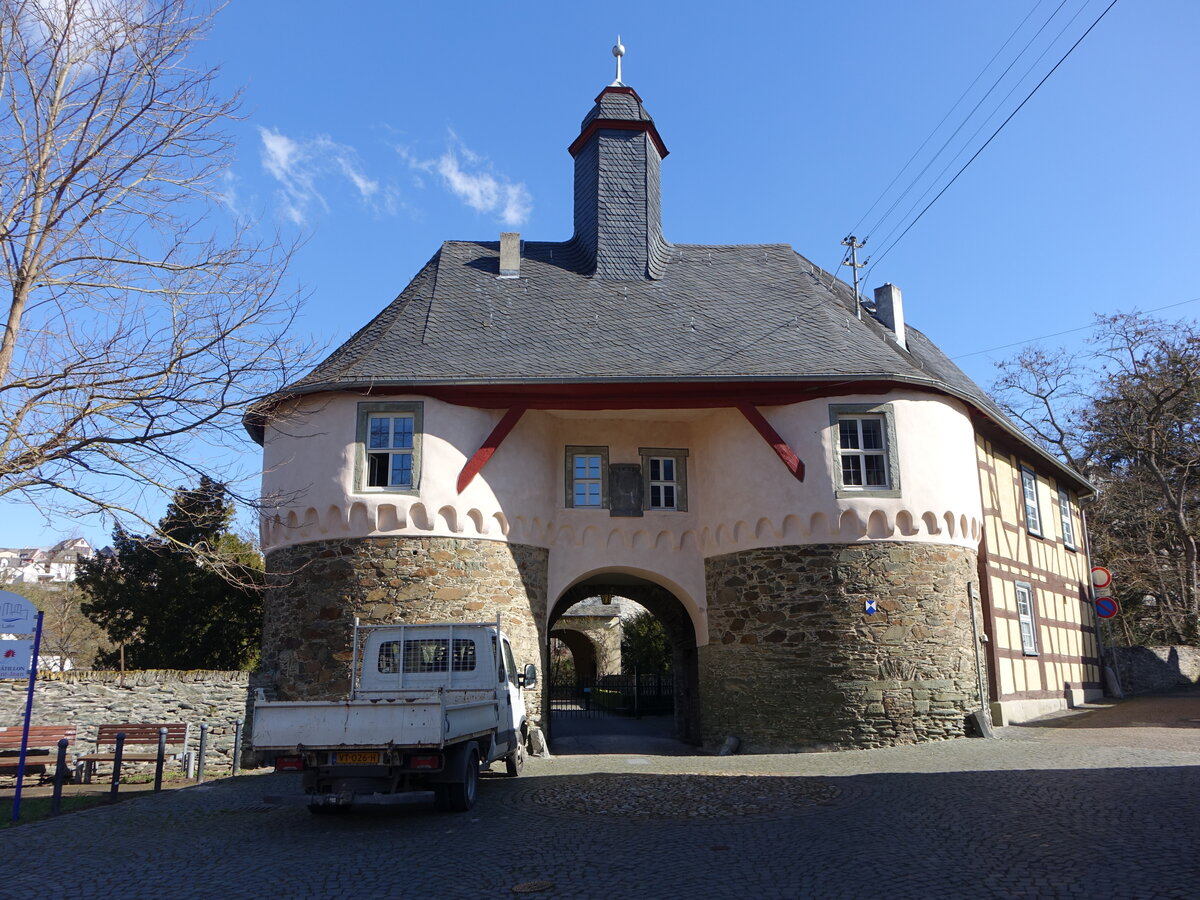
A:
x: 1145, y: 670
x: 90, y: 699
x: 316, y: 590
x: 795, y: 663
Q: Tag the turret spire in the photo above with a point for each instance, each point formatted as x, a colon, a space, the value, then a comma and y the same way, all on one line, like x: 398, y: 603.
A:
x: 618, y: 51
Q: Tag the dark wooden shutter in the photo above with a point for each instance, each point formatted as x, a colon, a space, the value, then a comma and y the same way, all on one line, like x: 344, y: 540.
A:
x: 625, y: 489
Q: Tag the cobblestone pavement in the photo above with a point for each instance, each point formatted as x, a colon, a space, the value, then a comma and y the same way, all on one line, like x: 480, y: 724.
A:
x: 1096, y: 804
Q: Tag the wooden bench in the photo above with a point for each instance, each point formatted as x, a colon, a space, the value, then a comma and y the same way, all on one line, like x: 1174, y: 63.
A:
x: 137, y: 738
x: 42, y: 749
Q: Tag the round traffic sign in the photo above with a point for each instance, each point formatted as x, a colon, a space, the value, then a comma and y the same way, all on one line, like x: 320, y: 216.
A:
x: 1106, y: 607
x: 1101, y: 577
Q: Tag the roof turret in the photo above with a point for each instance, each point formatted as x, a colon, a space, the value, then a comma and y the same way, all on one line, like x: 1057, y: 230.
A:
x: 618, y: 196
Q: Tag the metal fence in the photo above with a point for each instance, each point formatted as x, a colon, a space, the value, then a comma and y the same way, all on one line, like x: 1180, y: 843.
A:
x: 614, y: 695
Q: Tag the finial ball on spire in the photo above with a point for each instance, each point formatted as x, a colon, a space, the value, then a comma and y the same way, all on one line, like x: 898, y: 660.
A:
x: 618, y: 49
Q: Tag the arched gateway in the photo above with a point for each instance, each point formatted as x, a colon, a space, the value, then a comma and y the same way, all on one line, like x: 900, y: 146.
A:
x: 720, y: 432
x: 677, y: 624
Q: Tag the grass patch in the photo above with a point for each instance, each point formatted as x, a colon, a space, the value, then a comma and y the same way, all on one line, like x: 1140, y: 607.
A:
x: 36, y: 808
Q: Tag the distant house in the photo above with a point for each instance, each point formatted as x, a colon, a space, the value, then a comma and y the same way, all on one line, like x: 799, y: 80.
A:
x: 848, y: 543
x: 32, y: 565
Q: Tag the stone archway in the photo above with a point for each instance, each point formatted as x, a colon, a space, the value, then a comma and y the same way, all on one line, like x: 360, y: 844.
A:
x: 583, y: 651
x: 681, y: 634
x: 592, y: 632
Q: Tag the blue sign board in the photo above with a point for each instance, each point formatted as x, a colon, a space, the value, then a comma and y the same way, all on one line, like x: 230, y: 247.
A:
x: 15, y: 658
x: 1106, y: 607
x: 17, y: 615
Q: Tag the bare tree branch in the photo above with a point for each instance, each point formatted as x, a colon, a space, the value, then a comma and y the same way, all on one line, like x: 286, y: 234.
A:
x: 1126, y: 414
x: 140, y: 320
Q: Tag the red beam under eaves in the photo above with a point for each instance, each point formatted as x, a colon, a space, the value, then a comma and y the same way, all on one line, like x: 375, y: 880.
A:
x: 484, y: 453
x: 772, y: 437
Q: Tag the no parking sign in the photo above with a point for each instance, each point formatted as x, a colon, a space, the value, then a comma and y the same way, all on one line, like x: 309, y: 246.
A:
x: 1106, y: 607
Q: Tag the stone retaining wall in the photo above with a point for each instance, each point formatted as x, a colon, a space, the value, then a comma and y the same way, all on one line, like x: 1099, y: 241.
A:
x: 90, y: 699
x: 317, y: 589
x: 1145, y: 670
x: 795, y: 663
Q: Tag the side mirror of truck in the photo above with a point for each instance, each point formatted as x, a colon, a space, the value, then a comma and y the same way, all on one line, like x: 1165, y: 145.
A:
x: 529, y: 677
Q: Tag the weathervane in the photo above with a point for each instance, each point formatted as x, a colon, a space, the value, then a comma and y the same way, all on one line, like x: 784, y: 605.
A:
x: 618, y: 51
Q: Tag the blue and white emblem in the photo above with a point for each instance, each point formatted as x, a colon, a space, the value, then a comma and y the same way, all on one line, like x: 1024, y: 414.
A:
x: 870, y: 607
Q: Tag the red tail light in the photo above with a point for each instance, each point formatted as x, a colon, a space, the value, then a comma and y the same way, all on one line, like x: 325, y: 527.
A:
x: 289, y: 764
x: 429, y: 761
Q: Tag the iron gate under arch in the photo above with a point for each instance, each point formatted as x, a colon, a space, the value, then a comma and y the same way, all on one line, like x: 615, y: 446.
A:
x: 613, y: 695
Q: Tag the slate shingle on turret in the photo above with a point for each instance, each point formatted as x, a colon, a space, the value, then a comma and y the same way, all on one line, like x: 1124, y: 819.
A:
x: 618, y: 189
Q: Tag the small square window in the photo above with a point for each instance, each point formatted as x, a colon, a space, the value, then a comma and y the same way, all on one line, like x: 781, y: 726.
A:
x: 865, y: 450
x: 586, y: 470
x: 390, y: 437
x: 664, y: 478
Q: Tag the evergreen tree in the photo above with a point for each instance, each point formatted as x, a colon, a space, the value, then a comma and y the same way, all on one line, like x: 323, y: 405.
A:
x: 155, y: 600
x: 644, y: 644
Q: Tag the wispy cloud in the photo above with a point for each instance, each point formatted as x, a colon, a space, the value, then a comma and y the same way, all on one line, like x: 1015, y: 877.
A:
x: 299, y: 165
x: 226, y: 193
x: 470, y: 177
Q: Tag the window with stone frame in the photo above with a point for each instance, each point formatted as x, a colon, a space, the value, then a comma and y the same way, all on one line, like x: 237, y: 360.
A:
x: 1033, y: 509
x: 664, y: 478
x: 864, y: 450
x: 389, y: 447
x: 1029, y: 644
x: 1064, y: 515
x: 586, y: 477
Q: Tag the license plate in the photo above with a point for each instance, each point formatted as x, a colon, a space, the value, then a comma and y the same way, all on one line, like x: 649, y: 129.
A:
x: 357, y: 758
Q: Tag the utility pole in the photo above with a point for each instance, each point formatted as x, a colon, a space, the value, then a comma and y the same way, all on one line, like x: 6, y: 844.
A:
x: 852, y: 242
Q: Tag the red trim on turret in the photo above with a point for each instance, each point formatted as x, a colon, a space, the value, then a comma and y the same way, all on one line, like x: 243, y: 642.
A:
x: 772, y: 437
x: 484, y: 453
x: 618, y: 89
x: 619, y: 125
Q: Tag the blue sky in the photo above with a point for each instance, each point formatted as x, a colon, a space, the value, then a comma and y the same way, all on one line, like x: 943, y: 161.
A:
x: 376, y: 130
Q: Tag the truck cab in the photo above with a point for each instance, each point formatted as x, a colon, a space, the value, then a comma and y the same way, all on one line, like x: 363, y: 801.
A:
x: 429, y: 706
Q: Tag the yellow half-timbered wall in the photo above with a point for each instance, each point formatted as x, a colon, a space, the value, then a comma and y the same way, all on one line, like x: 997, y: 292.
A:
x: 1059, y: 667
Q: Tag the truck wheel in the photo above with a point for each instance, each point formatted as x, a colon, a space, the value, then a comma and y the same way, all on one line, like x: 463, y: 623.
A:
x: 441, y: 797
x: 462, y: 793
x: 515, y: 761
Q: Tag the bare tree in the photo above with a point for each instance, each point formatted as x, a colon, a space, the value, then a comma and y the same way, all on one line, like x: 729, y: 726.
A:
x: 1126, y: 414
x: 68, y: 636
x: 142, y: 316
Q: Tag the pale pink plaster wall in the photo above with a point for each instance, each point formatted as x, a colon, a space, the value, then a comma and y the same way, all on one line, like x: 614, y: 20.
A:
x: 739, y: 494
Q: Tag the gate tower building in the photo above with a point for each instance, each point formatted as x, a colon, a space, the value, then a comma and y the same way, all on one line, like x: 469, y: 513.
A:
x: 808, y: 499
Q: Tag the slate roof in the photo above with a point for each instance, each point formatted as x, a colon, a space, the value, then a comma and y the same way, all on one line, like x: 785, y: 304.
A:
x: 619, y: 303
x: 752, y: 312
x: 719, y: 312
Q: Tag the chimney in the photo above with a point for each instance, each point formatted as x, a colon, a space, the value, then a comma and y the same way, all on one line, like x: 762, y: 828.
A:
x: 510, y: 254
x: 889, y: 310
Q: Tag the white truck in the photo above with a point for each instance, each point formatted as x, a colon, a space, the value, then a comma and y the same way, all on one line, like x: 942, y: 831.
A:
x: 428, y: 707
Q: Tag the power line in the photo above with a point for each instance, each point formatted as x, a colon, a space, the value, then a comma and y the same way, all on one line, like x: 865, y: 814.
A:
x: 966, y: 145
x: 975, y: 155
x: 1067, y: 331
x: 883, y: 218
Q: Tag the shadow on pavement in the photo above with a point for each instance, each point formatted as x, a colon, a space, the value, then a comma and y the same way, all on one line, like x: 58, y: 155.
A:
x: 647, y: 736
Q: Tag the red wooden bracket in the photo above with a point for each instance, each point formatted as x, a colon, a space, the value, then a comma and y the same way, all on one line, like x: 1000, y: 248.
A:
x: 772, y: 437
x: 484, y: 453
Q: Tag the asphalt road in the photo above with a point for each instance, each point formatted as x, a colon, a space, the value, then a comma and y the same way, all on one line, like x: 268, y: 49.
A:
x: 1095, y: 804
